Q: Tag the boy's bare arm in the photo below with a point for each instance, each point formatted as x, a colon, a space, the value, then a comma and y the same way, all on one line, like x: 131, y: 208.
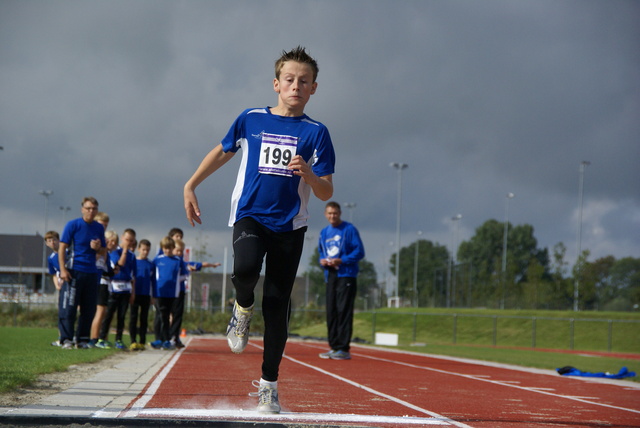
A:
x: 210, y: 164
x: 322, y: 186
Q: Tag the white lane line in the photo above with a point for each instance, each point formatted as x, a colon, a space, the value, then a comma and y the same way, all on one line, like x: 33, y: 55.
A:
x: 381, y: 394
x: 244, y: 415
x: 503, y: 383
x: 139, y: 404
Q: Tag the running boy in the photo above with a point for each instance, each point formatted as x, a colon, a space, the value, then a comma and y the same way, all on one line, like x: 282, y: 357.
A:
x: 285, y: 156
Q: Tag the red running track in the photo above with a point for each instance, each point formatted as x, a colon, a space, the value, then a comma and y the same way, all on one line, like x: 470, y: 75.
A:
x: 382, y: 388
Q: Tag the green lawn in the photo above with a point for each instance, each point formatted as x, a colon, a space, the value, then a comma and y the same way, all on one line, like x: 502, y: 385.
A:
x: 27, y: 353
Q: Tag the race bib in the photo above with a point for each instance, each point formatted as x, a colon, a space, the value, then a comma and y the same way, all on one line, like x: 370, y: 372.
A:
x: 276, y: 151
x: 121, y: 286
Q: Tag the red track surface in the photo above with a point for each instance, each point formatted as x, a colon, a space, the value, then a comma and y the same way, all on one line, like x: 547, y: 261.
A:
x: 378, y: 388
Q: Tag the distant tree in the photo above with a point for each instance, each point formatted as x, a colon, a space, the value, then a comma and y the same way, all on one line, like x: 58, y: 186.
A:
x: 485, y: 251
x: 432, y: 259
x: 625, y: 280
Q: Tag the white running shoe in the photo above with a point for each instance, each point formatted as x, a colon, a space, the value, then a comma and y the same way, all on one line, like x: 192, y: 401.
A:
x: 267, y: 398
x: 238, y: 328
x: 326, y: 355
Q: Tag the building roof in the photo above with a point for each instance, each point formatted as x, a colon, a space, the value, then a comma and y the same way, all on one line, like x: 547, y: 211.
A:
x: 21, y: 251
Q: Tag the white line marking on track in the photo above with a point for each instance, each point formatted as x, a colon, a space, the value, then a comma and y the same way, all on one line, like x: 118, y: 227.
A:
x: 381, y: 394
x: 150, y: 392
x: 481, y: 379
x: 238, y: 414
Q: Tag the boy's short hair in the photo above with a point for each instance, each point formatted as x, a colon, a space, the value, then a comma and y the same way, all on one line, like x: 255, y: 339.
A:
x: 130, y: 232
x: 102, y: 216
x: 333, y: 204
x: 144, y: 242
x: 179, y: 243
x: 175, y: 230
x: 167, y: 242
x: 298, y: 54
x: 110, y: 234
x: 91, y: 199
x: 51, y: 234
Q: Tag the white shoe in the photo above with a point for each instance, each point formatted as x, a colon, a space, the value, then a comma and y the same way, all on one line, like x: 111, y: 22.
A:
x: 238, y: 328
x: 267, y: 398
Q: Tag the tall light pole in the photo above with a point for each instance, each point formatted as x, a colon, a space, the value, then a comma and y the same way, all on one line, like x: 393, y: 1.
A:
x: 64, y: 210
x: 309, y: 238
x: 576, y: 283
x: 504, y: 247
x: 415, y: 272
x: 399, y: 167
x: 455, y: 219
x: 350, y: 206
x: 46, y: 194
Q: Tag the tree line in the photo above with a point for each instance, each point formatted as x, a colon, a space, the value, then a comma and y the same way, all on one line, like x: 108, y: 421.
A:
x: 479, y: 275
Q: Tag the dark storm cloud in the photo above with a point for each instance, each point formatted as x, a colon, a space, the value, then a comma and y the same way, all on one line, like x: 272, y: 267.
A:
x: 122, y: 100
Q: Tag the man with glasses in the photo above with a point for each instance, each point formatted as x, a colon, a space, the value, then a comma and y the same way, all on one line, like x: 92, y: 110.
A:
x: 83, y: 238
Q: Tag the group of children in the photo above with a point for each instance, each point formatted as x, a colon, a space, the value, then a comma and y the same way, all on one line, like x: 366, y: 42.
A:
x: 128, y: 281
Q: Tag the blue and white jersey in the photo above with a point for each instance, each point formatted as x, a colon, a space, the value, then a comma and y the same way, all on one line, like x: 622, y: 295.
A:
x: 341, y: 242
x: 54, y: 264
x: 265, y: 189
x: 78, y: 235
x: 144, y: 271
x: 121, y: 282
x: 170, y: 271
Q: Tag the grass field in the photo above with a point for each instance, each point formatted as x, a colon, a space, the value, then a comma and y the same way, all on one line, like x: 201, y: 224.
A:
x: 499, y: 336
x: 27, y: 353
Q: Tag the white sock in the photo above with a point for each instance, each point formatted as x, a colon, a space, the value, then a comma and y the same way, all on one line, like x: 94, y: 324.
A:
x: 272, y: 385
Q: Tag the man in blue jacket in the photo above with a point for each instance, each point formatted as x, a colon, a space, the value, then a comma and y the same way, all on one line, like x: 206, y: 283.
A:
x: 340, y: 249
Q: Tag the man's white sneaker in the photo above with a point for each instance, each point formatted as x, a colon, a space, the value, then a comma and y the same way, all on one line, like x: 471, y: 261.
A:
x: 267, y: 398
x: 238, y: 328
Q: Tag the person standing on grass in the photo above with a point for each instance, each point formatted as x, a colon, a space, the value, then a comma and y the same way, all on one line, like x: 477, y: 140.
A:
x: 139, y: 317
x: 52, y: 240
x: 122, y: 288
x: 105, y: 267
x: 84, y: 239
x: 285, y: 156
x: 340, y: 249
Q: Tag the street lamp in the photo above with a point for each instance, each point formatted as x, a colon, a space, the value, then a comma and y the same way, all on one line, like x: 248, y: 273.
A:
x: 64, y: 214
x: 576, y: 283
x: 455, y: 219
x: 399, y: 167
x: 46, y: 194
x: 350, y: 206
x: 415, y: 272
x: 504, y: 246
x: 309, y: 238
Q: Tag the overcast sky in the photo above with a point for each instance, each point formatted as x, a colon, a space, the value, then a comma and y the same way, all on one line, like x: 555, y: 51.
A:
x: 121, y: 100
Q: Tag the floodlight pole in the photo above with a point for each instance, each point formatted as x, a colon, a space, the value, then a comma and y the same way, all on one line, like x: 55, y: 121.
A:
x: 46, y: 194
x: 415, y: 272
x: 350, y: 206
x: 576, y: 283
x: 399, y: 167
x: 504, y: 247
x: 455, y: 219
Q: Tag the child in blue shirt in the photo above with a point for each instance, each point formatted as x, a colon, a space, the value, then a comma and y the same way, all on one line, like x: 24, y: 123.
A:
x: 169, y: 271
x: 138, y: 321
x: 122, y: 288
x: 286, y: 155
